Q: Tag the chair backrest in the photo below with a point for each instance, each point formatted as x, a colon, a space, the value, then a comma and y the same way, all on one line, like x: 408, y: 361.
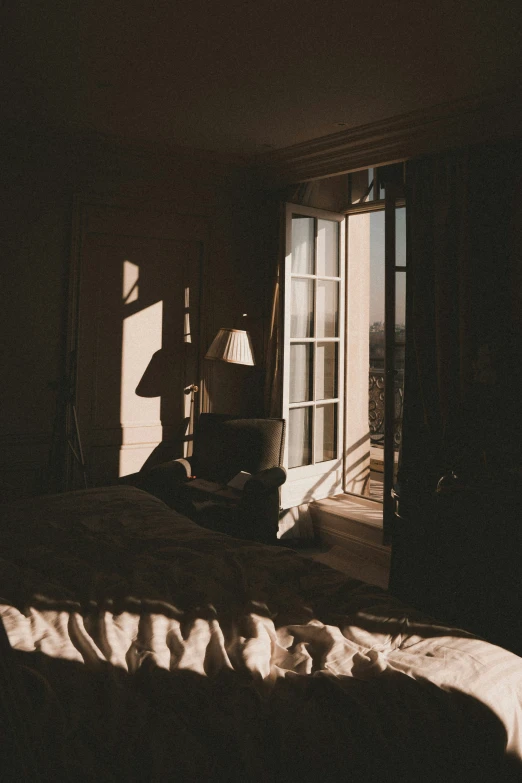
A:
x: 225, y: 445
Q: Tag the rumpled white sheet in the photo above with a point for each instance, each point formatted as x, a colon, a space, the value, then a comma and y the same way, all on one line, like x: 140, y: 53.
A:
x: 125, y: 639
x: 112, y: 577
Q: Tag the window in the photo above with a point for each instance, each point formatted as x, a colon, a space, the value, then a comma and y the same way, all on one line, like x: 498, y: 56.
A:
x: 314, y: 352
x: 376, y: 274
x: 343, y: 376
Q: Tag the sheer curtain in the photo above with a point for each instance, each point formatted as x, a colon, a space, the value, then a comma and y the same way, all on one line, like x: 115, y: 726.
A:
x: 273, y: 393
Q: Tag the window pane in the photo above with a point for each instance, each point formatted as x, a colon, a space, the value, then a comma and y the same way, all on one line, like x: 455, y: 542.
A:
x: 400, y: 236
x: 327, y: 248
x: 302, y: 308
x: 325, y: 432
x: 300, y: 372
x: 299, y: 437
x: 327, y: 308
x: 376, y: 249
x: 326, y: 371
x: 378, y: 193
x: 359, y: 181
x: 400, y: 305
x: 302, y: 245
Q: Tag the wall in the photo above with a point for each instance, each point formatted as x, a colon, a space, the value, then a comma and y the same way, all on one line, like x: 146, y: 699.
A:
x: 42, y: 175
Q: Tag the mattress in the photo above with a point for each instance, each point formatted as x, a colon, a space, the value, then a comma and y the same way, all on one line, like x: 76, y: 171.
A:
x: 153, y: 649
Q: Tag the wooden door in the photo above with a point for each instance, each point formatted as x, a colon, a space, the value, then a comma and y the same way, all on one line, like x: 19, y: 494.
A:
x: 137, y: 345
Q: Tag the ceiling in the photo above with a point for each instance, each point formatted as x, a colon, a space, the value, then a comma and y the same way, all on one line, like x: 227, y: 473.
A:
x: 241, y: 77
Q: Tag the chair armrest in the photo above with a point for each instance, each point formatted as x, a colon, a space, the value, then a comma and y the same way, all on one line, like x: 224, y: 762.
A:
x: 167, y: 481
x: 265, y: 481
x: 173, y: 470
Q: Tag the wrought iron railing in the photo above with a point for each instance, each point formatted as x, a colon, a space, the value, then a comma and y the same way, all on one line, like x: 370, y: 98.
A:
x: 376, y: 406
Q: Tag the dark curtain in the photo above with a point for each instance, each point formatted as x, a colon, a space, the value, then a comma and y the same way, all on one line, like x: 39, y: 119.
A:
x: 273, y: 389
x: 462, y: 392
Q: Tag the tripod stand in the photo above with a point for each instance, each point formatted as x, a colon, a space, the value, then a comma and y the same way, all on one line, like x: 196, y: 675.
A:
x: 66, y: 440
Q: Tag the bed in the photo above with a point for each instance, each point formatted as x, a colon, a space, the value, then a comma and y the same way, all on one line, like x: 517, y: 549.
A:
x: 143, y: 647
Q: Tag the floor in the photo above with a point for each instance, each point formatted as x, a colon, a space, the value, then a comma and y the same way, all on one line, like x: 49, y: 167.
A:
x: 359, y: 565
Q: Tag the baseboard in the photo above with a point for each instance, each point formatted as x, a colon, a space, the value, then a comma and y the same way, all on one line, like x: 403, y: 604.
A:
x: 337, y: 525
x: 355, y: 518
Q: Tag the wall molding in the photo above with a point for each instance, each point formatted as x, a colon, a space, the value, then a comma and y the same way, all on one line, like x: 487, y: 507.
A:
x: 458, y: 123
x: 87, y: 150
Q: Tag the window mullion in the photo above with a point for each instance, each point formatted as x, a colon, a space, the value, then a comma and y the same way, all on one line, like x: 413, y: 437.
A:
x: 313, y: 277
x: 314, y: 347
x: 389, y: 353
x: 311, y: 403
x: 312, y: 340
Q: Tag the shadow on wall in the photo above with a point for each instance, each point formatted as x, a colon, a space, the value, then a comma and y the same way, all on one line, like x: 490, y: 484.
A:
x: 138, y: 349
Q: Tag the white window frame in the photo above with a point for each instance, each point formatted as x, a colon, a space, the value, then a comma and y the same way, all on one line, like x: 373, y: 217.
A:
x: 323, y: 479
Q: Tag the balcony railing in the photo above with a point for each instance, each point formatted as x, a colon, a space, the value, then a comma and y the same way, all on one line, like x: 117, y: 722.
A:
x: 376, y: 406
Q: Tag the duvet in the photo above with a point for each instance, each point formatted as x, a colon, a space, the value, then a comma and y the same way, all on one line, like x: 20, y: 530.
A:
x: 148, y: 648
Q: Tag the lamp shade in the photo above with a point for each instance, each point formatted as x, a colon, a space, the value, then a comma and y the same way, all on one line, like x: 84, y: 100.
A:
x: 231, y: 345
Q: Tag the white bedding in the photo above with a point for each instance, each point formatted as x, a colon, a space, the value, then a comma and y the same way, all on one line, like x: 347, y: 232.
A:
x: 173, y: 653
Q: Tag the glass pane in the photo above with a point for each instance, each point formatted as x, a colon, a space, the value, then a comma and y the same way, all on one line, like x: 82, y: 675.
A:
x: 327, y: 248
x: 400, y: 305
x: 376, y: 193
x: 302, y: 245
x: 399, y: 358
x: 302, y: 308
x: 325, y: 432
x: 327, y: 308
x: 379, y: 193
x: 326, y: 371
x: 400, y: 236
x: 301, y: 372
x: 299, y: 437
x: 371, y: 181
x: 377, y: 285
x: 359, y: 181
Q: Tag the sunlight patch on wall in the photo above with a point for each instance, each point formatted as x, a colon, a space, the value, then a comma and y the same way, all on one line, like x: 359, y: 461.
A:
x: 142, y: 337
x: 187, y: 337
x: 131, y: 276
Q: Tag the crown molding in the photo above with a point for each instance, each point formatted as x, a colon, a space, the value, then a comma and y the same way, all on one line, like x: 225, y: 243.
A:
x: 93, y: 148
x: 458, y: 123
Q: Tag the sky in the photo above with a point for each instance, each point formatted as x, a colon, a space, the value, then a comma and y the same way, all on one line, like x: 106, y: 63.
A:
x: 377, y: 265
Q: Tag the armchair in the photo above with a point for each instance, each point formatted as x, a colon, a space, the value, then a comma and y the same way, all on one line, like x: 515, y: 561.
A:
x: 224, y: 446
